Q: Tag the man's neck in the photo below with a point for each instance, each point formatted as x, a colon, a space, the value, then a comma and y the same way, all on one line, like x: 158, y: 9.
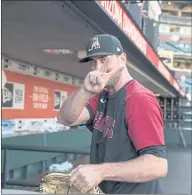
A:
x: 125, y: 78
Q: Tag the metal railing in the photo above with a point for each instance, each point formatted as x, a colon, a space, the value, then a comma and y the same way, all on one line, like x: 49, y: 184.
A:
x: 8, y: 147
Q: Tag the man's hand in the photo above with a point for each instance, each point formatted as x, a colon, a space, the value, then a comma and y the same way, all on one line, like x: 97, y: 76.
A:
x: 85, y: 177
x: 96, y: 81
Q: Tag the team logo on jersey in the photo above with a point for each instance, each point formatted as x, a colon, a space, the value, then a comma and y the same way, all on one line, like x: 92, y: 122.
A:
x: 95, y: 44
x: 104, y: 124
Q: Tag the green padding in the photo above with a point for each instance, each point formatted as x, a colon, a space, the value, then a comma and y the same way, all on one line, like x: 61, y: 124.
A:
x: 75, y: 138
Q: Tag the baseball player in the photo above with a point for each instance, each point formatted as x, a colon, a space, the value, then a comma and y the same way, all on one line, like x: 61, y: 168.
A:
x: 128, y: 149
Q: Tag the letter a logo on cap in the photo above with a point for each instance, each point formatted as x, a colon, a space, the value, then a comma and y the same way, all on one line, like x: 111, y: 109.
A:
x: 95, y: 44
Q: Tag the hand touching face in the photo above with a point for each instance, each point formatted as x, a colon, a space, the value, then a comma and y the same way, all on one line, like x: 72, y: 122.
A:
x: 97, y: 79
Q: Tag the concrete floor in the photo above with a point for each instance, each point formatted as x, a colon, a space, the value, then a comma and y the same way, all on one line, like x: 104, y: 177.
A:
x: 179, y: 178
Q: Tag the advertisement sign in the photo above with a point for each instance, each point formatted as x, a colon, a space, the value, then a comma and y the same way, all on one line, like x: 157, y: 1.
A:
x: 116, y: 11
x: 13, y: 96
x: 59, y: 98
x: 40, y: 97
x: 26, y: 96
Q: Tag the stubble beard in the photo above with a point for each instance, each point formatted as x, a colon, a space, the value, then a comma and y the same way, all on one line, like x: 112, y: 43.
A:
x: 113, y: 81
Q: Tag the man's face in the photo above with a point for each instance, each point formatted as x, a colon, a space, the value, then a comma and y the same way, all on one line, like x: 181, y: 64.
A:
x: 107, y: 64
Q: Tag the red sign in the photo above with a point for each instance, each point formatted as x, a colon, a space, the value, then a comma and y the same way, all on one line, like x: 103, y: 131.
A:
x: 116, y: 11
x: 182, y: 92
x: 164, y: 71
x: 32, y: 97
x: 122, y: 19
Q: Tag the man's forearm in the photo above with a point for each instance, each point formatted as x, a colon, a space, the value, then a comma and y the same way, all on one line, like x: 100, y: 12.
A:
x: 142, y: 169
x: 73, y: 106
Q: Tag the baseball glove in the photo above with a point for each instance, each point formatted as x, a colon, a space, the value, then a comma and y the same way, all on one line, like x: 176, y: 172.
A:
x: 57, y: 183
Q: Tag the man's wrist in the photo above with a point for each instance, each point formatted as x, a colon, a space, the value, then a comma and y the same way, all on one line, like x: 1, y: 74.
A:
x: 102, y: 170
x: 108, y: 170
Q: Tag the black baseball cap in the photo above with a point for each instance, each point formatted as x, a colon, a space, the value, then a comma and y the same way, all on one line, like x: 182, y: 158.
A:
x: 102, y: 45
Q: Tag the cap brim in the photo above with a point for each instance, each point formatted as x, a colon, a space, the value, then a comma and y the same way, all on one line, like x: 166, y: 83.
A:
x: 88, y: 58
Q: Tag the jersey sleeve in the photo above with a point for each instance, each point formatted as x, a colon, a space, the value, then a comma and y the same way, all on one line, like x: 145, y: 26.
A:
x: 144, y: 120
x: 92, y: 107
